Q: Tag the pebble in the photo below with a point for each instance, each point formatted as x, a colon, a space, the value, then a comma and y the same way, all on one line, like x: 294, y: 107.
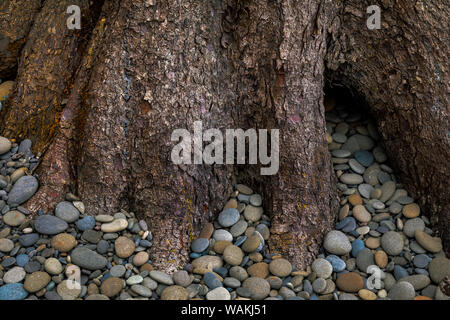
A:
x: 336, y: 242
x: 13, y: 291
x: 88, y: 259
x: 14, y: 275
x: 351, y: 178
x: 6, y: 245
x: 161, y: 277
x: 13, y: 218
x: 350, y: 282
x: 411, y: 211
x: 124, y: 247
x: 50, y: 225
x: 258, y: 287
x: 431, y: 244
x: 252, y: 213
x: 439, y: 268
x: 53, y: 266
x: 392, y: 243
x: 111, y: 286
x: 222, y: 234
x: 67, y: 212
x: 68, y: 290
x: 174, y: 292
x: 381, y: 258
x: 86, y: 223
x: 361, y: 214
x: 322, y: 268
x: 402, y: 291
x: 141, y: 258
x: 182, y: 278
x: 281, y: 267
x: 238, y: 228
x: 228, y: 217
x: 200, y: 244
x: 115, y: 226
x: 22, y: 190
x: 5, y: 144
x: 412, y: 225
x: 36, y: 281
x: 63, y: 242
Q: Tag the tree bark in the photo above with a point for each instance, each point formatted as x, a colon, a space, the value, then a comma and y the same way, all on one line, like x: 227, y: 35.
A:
x: 401, y: 70
x: 150, y: 67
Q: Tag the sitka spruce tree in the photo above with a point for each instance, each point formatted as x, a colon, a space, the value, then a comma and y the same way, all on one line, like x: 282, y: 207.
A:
x: 101, y: 103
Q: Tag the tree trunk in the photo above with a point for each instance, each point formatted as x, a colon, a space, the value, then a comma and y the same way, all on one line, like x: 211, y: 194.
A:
x: 102, y: 108
x: 401, y: 70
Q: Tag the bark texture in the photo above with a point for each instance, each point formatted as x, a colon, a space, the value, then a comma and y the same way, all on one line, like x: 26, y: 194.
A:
x: 402, y: 71
x: 102, y: 103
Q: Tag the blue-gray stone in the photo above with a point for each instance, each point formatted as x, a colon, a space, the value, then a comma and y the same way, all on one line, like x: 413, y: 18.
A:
x: 199, y: 245
x: 88, y: 259
x: 13, y: 291
x: 240, y: 240
x: 228, y: 217
x: 22, y: 259
x: 337, y: 263
x: 102, y: 246
x: 66, y: 211
x: 357, y: 246
x: 211, y: 280
x: 50, y: 225
x: 307, y: 286
x: 86, y: 223
x: 32, y: 266
x: 29, y: 239
x: 364, y: 157
x: 421, y: 260
x: 22, y: 190
x: 8, y: 262
x: 400, y: 272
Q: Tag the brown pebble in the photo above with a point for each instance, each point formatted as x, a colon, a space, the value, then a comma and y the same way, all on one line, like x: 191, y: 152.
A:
x: 207, y: 231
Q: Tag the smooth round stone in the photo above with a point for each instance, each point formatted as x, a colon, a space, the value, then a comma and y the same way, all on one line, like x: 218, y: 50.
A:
x: 124, y: 247
x: 161, y: 277
x: 378, y: 205
x: 6, y: 245
x: 405, y: 200
x: 339, y: 137
x: 395, y: 208
x: 383, y: 177
x: 252, y: 243
x: 233, y: 255
x: 379, y: 154
x: 319, y: 285
x: 439, y: 268
x: 364, y: 157
x: 222, y: 234
x: 387, y: 190
x: 367, y: 294
x: 8, y: 262
x: 115, y: 226
x: 337, y: 263
x: 322, y: 268
x: 5, y: 144
x: 392, y: 243
x: 219, y: 293
x: 104, y: 218
x: 32, y: 266
x: 141, y: 290
x: 211, y: 280
x: 136, y: 279
x: 351, y: 178
x: 22, y: 190
x: 375, y: 194
x: 363, y: 230
x: 238, y: 228
x: 141, y: 258
x: 13, y: 291
x: 174, y: 292
x: 238, y: 273
x: 280, y: 267
x: 355, y: 199
x: 16, y: 274
x: 252, y: 213
x: 117, y: 271
x: 416, y: 247
x: 63, y: 242
x: 22, y: 260
x: 199, y: 245
x: 228, y: 217
x: 258, y: 287
x: 255, y: 200
x: 336, y: 242
x: 350, y: 282
x: 207, y: 262
x: 346, y: 225
x: 219, y: 246
x: 373, y: 243
x: 111, y: 286
x: 429, y: 243
x: 356, y: 166
x: 357, y: 246
x: 365, y: 190
x: 182, y: 278
x: 88, y: 259
x: 361, y: 214
x: 36, y: 281
x: 232, y: 203
x: 53, y: 266
x: 411, y: 210
x: 49, y: 225
x: 421, y: 261
x: 27, y: 240
x: 13, y: 218
x: 231, y: 282
x: 263, y: 230
x: 399, y: 272
x: 402, y: 291
x: 67, y: 212
x: 339, y: 153
x: 87, y: 223
x: 102, y: 246
x: 418, y: 281
x: 91, y: 236
x: 412, y: 225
